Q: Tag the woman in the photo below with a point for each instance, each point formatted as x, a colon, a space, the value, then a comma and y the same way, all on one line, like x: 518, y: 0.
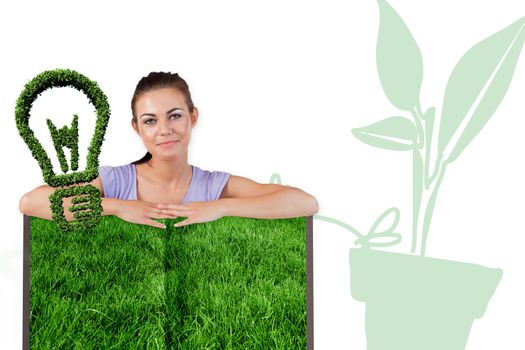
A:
x: 162, y: 184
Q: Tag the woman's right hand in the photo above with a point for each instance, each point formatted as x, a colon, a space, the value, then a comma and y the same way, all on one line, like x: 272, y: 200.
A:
x: 135, y: 211
x: 36, y: 203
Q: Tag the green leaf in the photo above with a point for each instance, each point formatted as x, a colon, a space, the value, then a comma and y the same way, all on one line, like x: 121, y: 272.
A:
x: 399, y: 61
x: 394, y: 133
x: 275, y: 179
x: 477, y: 85
x: 382, y: 237
x: 393, y: 214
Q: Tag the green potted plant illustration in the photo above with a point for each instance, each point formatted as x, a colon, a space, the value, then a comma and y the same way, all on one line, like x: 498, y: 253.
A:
x: 413, y: 301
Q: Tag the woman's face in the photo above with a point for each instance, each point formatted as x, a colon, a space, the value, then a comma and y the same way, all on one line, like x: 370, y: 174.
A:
x: 164, y: 122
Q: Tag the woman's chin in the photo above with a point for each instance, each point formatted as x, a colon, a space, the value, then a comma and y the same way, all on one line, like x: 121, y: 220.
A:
x: 167, y: 156
x: 169, y: 152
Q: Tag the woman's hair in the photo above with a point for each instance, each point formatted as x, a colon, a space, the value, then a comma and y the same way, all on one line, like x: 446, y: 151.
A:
x: 159, y: 80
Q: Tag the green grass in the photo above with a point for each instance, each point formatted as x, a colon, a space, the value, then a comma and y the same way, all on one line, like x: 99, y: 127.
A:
x: 234, y: 283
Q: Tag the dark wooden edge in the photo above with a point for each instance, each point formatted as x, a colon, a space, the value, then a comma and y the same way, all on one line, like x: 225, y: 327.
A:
x: 25, y: 307
x: 309, y: 283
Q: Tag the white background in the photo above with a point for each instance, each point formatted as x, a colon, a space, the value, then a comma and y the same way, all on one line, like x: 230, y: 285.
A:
x: 279, y: 86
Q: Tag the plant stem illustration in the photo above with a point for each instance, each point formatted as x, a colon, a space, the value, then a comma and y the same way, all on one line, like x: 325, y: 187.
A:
x: 474, y: 90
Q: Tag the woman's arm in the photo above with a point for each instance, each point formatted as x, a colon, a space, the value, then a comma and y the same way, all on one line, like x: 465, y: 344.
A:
x: 36, y: 203
x: 246, y: 198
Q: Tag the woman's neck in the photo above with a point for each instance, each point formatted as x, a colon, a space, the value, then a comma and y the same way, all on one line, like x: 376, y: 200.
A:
x: 168, y: 172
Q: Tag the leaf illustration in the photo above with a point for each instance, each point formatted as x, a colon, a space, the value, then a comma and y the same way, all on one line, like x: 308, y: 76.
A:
x: 394, y: 133
x: 275, y: 179
x: 399, y: 61
x: 477, y: 85
x: 391, y: 212
x: 384, y: 236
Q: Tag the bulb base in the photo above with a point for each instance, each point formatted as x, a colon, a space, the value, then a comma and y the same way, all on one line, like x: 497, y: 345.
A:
x: 86, y: 207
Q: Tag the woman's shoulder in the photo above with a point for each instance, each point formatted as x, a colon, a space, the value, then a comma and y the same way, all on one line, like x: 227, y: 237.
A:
x: 118, y: 181
x: 117, y: 169
x: 208, y: 173
x: 207, y: 185
x: 209, y: 176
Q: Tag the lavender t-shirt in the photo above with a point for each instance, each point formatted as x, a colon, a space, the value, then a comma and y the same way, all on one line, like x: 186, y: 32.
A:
x: 121, y: 182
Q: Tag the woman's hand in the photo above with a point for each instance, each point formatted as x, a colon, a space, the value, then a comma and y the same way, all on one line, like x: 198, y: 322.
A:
x: 195, y: 212
x: 139, y: 212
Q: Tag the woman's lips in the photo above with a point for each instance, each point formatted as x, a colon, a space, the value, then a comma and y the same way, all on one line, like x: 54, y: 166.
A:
x: 167, y: 143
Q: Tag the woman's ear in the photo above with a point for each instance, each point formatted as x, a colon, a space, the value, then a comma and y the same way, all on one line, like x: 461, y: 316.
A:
x: 194, y: 116
x: 134, y: 125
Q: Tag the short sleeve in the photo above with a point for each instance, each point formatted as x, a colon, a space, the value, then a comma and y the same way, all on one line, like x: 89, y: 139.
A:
x: 107, y: 178
x: 217, y: 181
x: 118, y: 182
x: 205, y: 185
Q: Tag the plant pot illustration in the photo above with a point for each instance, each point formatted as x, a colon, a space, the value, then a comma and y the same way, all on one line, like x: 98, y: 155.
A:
x: 416, y: 302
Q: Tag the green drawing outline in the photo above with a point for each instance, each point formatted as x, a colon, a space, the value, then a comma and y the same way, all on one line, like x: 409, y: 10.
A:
x: 366, y: 241
x: 63, y: 78
x: 65, y: 137
x: 413, y: 300
x: 87, y: 209
x: 475, y: 88
x: 432, y: 296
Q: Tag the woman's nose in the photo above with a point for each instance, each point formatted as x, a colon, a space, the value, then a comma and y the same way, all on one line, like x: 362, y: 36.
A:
x: 164, y: 128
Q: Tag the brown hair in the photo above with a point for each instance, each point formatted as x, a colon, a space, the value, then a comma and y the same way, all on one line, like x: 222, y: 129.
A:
x: 159, y: 80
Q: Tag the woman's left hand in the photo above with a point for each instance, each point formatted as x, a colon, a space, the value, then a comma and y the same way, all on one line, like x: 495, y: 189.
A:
x: 195, y: 212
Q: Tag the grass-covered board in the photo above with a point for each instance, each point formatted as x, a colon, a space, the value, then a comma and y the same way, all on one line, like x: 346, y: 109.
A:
x: 234, y: 283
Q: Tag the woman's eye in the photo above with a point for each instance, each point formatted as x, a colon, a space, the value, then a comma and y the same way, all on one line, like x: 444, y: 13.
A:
x: 149, y: 121
x: 175, y: 116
